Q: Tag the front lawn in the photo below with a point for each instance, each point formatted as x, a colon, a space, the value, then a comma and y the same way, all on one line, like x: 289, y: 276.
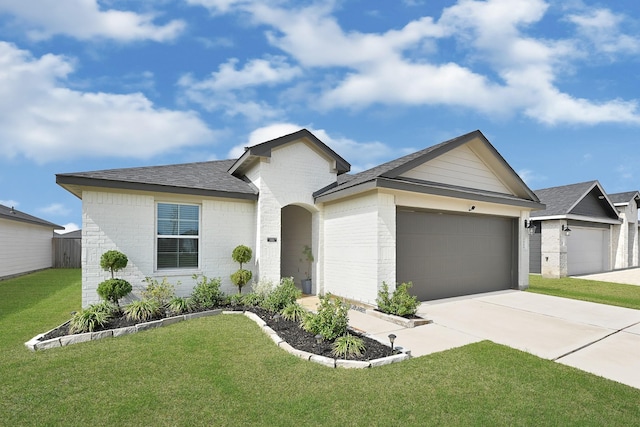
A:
x: 224, y: 370
x: 587, y: 290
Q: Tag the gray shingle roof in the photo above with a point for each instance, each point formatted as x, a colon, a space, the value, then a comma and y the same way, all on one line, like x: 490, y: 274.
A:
x: 206, y: 178
x: 560, y: 200
x: 15, y: 215
x: 623, y: 197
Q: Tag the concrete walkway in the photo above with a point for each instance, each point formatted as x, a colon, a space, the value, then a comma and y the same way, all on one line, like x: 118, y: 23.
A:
x: 629, y: 276
x: 597, y: 338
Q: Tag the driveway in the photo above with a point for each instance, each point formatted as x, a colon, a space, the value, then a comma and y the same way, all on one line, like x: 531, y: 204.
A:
x: 629, y: 276
x: 596, y: 338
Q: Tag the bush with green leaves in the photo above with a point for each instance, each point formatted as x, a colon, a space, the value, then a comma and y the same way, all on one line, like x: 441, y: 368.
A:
x: 236, y: 300
x: 179, y: 305
x: 113, y: 261
x: 330, y: 321
x: 91, y: 318
x: 293, y: 312
x: 241, y: 254
x: 207, y: 293
x: 399, y: 303
x: 348, y: 346
x: 252, y: 299
x: 282, y: 295
x: 161, y: 292
x: 263, y: 288
x: 113, y: 290
x: 143, y: 310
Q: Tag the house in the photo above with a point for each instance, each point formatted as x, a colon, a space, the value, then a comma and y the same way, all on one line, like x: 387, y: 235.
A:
x: 26, y: 242
x: 574, y: 234
x: 450, y: 218
x: 625, y: 235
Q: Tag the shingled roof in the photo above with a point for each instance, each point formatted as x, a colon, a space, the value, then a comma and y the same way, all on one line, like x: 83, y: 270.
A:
x: 624, y: 198
x: 562, y: 200
x: 202, y: 178
x: 15, y: 215
x: 388, y: 175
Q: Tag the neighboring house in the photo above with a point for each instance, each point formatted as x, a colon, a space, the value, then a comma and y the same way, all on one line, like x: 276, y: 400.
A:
x: 449, y: 218
x: 591, y: 217
x: 625, y: 235
x: 26, y: 242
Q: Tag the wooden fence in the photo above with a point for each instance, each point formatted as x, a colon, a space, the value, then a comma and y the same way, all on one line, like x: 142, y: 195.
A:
x: 67, y: 253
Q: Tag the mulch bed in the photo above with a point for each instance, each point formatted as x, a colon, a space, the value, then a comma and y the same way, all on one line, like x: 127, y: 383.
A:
x: 289, y: 331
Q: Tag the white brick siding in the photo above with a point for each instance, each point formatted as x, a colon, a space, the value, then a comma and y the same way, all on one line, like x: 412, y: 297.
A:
x: 25, y: 247
x: 126, y: 222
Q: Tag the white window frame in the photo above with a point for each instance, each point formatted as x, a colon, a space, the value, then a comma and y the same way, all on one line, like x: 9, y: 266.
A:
x: 165, y: 236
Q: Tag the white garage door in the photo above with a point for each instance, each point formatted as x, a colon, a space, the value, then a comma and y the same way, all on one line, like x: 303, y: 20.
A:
x: 587, y: 250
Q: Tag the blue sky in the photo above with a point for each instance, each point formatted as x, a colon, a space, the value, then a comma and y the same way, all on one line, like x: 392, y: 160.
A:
x: 87, y: 85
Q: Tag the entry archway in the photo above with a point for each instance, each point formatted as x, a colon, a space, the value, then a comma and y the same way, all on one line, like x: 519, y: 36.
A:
x: 296, y: 233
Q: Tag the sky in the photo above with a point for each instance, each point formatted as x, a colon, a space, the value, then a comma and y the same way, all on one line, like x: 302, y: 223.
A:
x: 89, y: 85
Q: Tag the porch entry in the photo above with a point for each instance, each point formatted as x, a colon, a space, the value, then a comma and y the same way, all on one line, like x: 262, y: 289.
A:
x: 295, y: 235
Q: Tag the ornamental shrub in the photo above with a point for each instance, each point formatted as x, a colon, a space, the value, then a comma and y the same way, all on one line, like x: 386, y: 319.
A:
x: 294, y: 312
x: 207, y: 293
x: 348, y: 346
x: 241, y: 254
x: 179, y: 305
x: 91, y: 318
x: 142, y: 310
x: 113, y: 261
x: 282, y: 295
x: 161, y: 292
x: 399, y: 303
x: 113, y: 290
x: 331, y: 320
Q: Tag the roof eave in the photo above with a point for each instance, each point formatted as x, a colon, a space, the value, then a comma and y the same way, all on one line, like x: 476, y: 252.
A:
x: 69, y: 181
x: 577, y: 218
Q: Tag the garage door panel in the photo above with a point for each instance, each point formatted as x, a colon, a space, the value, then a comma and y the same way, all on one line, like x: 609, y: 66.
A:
x: 448, y: 255
x: 587, y: 250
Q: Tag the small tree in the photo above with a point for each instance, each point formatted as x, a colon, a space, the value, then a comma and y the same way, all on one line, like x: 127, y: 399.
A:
x: 113, y: 289
x: 241, y: 254
x: 113, y: 261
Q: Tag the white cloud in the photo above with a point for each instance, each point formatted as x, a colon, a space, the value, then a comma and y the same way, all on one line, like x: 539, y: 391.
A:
x: 68, y: 228
x: 602, y: 28
x: 84, y: 19
x: 529, y: 176
x: 55, y: 209
x: 229, y: 88
x: 364, y: 154
x: 43, y: 120
x: 9, y: 203
x: 503, y: 68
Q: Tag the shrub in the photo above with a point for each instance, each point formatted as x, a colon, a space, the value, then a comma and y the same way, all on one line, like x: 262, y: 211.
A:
x: 348, y: 345
x: 241, y: 254
x: 400, y: 302
x: 90, y: 318
x: 142, y: 310
x: 263, y: 288
x: 113, y: 290
x: 331, y: 320
x: 236, y: 300
x: 282, y: 295
x: 113, y: 261
x: 207, y: 293
x: 293, y: 312
x: 179, y: 305
x: 161, y: 292
x: 252, y: 300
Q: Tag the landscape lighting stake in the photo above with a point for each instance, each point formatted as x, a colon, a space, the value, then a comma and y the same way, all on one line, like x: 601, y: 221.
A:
x: 392, y: 338
x: 318, y: 339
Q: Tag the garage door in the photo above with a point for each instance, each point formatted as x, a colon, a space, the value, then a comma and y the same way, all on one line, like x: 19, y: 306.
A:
x: 587, y: 250
x: 447, y: 255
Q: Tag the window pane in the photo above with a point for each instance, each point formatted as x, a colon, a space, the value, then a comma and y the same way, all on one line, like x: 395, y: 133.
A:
x: 188, y: 212
x: 188, y: 228
x: 167, y: 211
x: 168, y: 245
x: 167, y: 227
x: 177, y: 220
x: 167, y: 260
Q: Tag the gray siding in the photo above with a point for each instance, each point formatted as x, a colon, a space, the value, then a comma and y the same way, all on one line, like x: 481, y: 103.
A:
x: 535, y: 250
x: 591, y: 206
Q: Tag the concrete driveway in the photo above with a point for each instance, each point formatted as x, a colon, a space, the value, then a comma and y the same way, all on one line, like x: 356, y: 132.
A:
x: 596, y: 338
x: 629, y: 276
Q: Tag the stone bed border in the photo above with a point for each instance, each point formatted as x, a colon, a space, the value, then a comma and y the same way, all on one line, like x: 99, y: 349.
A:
x: 35, y: 344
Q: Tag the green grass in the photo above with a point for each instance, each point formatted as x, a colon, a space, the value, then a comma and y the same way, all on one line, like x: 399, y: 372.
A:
x: 587, y: 290
x: 224, y: 370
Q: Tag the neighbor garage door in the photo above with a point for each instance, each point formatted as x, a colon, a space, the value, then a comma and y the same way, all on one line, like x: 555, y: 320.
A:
x: 587, y: 250
x: 447, y: 255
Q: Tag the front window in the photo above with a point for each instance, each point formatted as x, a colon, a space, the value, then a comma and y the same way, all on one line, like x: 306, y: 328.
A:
x: 178, y: 235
